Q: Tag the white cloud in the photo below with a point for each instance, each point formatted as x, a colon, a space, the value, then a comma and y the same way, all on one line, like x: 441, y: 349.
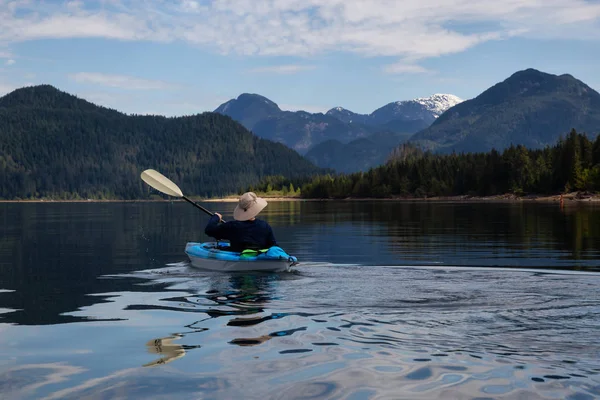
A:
x: 190, y: 6
x: 409, y: 30
x: 5, y: 54
x: 402, y: 68
x: 10, y: 62
x: 284, y: 69
x: 119, y: 81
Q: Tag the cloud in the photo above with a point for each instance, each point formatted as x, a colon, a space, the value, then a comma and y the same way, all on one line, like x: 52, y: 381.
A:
x: 119, y: 81
x: 409, y: 30
x: 402, y: 68
x: 284, y: 69
x: 10, y: 62
x: 5, y: 54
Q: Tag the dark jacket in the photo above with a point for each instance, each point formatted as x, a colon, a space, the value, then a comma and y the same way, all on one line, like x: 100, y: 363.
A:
x: 242, y: 235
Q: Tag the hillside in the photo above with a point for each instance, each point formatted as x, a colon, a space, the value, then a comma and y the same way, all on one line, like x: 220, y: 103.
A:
x: 357, y: 155
x: 530, y: 107
x: 55, y: 144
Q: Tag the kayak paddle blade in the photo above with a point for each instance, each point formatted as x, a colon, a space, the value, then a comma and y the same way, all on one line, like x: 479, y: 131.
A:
x: 161, y: 183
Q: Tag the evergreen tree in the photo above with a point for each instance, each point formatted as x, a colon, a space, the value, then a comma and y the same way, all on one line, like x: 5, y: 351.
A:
x: 572, y: 164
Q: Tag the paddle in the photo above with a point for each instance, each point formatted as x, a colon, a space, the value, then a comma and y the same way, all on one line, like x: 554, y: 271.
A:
x: 163, y: 184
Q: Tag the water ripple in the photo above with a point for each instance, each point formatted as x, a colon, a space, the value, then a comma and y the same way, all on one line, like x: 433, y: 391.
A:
x: 383, y: 333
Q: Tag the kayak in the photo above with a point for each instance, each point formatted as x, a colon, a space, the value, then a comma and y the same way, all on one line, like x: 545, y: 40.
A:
x: 217, y: 257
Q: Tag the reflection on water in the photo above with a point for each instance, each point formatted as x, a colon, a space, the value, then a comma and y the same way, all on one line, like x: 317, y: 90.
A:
x: 377, y: 309
x: 391, y: 332
x: 165, y: 347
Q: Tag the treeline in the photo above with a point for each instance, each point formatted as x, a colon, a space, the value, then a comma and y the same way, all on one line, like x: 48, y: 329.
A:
x: 573, y: 164
x: 55, y: 145
x: 277, y: 185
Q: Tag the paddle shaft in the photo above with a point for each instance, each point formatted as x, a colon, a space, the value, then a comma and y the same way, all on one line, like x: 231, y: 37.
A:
x: 164, y: 185
x: 199, y: 206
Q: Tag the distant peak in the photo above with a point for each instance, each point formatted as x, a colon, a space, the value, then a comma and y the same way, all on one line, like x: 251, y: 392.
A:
x: 337, y: 109
x: 245, y: 100
x: 530, y: 72
x: 437, y: 103
x: 440, y: 97
x: 254, y: 96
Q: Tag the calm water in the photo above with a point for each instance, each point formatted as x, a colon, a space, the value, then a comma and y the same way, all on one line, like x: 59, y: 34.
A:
x: 390, y: 301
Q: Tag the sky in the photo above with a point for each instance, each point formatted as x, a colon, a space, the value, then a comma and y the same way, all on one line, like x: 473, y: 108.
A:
x: 181, y: 57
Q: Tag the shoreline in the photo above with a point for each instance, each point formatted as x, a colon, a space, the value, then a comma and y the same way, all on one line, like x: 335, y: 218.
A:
x: 510, y: 198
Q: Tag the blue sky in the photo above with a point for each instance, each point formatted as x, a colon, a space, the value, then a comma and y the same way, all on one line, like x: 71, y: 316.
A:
x: 183, y: 57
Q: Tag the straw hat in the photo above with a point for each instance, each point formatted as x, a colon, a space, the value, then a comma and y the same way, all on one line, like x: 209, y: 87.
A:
x: 249, y: 206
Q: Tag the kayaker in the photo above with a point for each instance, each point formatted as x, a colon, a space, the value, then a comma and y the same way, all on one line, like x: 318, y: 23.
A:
x: 246, y: 232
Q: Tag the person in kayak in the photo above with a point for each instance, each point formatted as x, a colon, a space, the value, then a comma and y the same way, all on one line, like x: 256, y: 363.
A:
x: 246, y: 232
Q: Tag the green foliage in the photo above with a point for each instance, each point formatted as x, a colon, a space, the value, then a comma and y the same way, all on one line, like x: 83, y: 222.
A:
x: 571, y: 164
x: 278, y: 185
x: 55, y: 145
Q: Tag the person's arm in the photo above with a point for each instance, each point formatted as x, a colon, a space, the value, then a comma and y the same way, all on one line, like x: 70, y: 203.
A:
x: 215, y: 229
x: 271, y: 237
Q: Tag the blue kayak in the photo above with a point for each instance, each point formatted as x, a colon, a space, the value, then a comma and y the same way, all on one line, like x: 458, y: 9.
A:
x: 217, y: 257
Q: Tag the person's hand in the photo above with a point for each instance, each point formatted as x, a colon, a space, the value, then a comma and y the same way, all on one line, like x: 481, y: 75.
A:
x: 220, y: 217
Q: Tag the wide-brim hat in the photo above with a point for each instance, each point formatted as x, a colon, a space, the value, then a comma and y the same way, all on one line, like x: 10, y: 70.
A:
x: 248, y: 206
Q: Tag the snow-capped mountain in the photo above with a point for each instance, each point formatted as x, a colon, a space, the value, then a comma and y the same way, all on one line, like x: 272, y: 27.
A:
x: 424, y: 108
x: 438, y: 103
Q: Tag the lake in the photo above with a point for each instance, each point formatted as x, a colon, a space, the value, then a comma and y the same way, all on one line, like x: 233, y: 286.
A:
x: 391, y: 300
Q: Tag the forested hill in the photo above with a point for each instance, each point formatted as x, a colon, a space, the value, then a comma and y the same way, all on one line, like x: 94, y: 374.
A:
x: 572, y: 164
x: 53, y: 144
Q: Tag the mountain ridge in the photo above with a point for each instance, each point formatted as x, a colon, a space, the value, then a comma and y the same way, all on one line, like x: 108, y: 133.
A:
x: 530, y: 107
x: 421, y: 108
x: 302, y: 130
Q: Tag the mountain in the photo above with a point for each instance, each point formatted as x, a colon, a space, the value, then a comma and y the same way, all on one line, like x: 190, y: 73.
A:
x: 324, y: 136
x: 299, y: 130
x: 395, y: 123
x: 530, y: 107
x: 56, y: 144
x: 348, y: 116
x: 427, y: 109
x: 357, y: 155
x: 249, y: 108
x: 420, y: 112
